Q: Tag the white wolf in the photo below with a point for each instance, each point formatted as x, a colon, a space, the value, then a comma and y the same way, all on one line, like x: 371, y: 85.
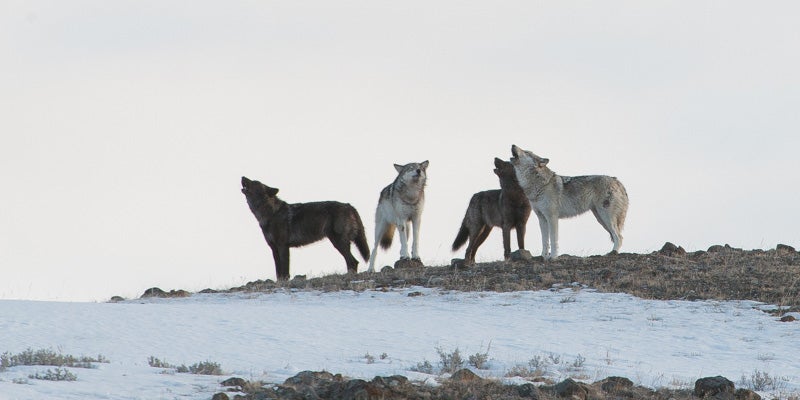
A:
x: 553, y: 196
x: 400, y: 204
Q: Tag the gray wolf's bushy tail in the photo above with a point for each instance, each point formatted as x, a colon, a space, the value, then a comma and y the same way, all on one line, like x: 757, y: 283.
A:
x: 461, y: 237
x: 387, y: 237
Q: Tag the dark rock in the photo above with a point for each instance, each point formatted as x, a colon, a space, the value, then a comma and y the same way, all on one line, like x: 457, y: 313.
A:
x: 309, y: 378
x: 460, y: 263
x: 671, y: 250
x: 154, y: 292
x: 415, y: 294
x: 528, y: 390
x: 746, y: 394
x: 387, y: 269
x: 783, y: 248
x: 234, y: 382
x: 615, y: 384
x: 117, y: 299
x: 788, y: 318
x: 408, y: 263
x: 209, y: 291
x: 220, y: 396
x: 465, y: 375
x: 571, y: 389
x: 717, y: 387
x: 521, y: 255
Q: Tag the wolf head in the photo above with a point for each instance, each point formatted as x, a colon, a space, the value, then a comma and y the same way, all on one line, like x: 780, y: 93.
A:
x: 412, y: 173
x: 261, y: 198
x: 504, y: 169
x: 526, y: 159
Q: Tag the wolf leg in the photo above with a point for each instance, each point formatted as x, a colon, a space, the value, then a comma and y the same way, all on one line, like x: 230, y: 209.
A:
x: 281, y: 256
x: 343, y: 246
x: 380, y: 227
x: 553, y: 225
x: 543, y: 227
x: 604, y: 218
x: 520, y: 228
x: 416, y: 220
x: 506, y: 241
x: 402, y: 228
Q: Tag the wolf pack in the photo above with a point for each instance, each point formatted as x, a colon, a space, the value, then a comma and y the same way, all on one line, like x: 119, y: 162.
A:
x: 526, y: 184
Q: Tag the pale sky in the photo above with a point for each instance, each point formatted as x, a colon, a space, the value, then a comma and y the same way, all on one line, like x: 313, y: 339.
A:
x: 127, y: 125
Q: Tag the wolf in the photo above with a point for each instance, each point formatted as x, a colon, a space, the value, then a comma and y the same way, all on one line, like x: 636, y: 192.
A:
x: 287, y: 225
x: 507, y: 208
x: 553, y: 196
x: 400, y: 204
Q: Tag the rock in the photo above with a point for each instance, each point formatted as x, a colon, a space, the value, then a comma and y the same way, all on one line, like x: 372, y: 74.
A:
x: 615, y: 384
x: 717, y: 387
x: 521, y: 255
x: 465, y: 375
x: 233, y: 382
x: 154, y: 292
x: 671, y: 250
x: 309, y: 378
x: 746, y: 394
x: 409, y: 263
x: 117, y: 299
x: 220, y: 396
x: 784, y: 249
x: 387, y: 269
x: 460, y: 263
x: 415, y: 294
x: 571, y: 389
x: 788, y: 318
x: 528, y: 390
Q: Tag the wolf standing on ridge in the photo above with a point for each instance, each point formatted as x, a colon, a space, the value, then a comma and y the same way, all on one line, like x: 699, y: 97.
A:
x: 553, y: 196
x: 400, y: 205
x: 287, y: 225
x: 507, y: 208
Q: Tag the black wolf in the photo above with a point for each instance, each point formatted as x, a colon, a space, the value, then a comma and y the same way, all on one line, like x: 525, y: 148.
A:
x: 291, y: 225
x: 507, y: 208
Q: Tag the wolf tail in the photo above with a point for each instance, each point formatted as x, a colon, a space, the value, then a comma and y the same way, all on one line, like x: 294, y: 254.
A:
x: 361, y: 242
x: 461, y: 237
x: 387, y: 237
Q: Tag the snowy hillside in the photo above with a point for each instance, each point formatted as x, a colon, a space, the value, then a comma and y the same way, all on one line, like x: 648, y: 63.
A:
x: 572, y: 332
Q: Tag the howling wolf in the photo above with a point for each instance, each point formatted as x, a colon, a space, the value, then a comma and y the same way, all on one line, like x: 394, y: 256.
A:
x: 399, y: 204
x: 291, y: 225
x: 507, y: 208
x: 553, y: 196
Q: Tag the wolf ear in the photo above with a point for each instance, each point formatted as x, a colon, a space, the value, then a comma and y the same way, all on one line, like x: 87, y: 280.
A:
x: 245, y: 181
x: 399, y: 168
x: 498, y: 163
x: 543, y: 162
x: 272, y: 192
x: 424, y: 164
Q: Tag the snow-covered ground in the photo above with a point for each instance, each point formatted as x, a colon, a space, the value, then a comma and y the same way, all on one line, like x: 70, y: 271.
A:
x: 273, y: 336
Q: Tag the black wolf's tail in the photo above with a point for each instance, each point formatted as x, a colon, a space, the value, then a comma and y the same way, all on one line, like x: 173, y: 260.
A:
x: 461, y: 237
x: 361, y: 244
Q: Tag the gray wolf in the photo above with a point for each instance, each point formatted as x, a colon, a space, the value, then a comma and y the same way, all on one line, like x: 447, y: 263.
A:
x: 553, y: 196
x: 287, y: 225
x: 400, y: 204
x: 507, y: 208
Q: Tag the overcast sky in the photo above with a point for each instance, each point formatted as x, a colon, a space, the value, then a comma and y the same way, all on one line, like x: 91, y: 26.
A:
x: 126, y: 126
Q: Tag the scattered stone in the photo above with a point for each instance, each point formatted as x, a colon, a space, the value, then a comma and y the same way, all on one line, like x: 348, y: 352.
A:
x: 528, y: 390
x: 571, y: 390
x: 783, y: 249
x: 615, y: 384
x: 714, y: 387
x: 746, y: 394
x: 209, y: 291
x: 459, y: 263
x: 671, y: 250
x: 408, y: 263
x: 415, y: 294
x: 117, y: 299
x: 234, y: 382
x: 788, y: 318
x: 157, y: 292
x: 521, y: 255
x: 220, y: 396
x: 465, y: 375
x: 387, y: 269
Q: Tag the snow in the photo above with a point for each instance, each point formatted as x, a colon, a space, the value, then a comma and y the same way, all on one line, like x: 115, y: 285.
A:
x: 272, y: 336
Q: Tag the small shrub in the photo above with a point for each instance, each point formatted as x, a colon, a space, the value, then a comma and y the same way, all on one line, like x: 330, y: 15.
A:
x: 31, y: 357
x: 205, y: 368
x: 156, y: 363
x: 479, y: 360
x: 450, y: 362
x: 424, y: 367
x: 370, y: 359
x: 59, y: 375
x: 762, y: 381
x: 384, y: 356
